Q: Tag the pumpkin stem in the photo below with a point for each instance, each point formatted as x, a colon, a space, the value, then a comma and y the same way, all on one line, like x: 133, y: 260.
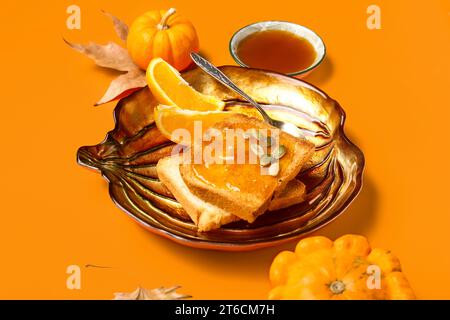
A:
x: 337, y: 287
x: 163, y: 23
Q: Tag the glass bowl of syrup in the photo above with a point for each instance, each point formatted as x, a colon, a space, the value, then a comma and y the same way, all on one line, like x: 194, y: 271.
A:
x: 280, y: 46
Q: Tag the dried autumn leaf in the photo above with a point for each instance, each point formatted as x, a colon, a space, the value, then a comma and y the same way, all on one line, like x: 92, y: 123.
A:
x: 114, y: 56
x: 119, y: 26
x: 110, y: 55
x: 155, y: 294
x: 127, y: 82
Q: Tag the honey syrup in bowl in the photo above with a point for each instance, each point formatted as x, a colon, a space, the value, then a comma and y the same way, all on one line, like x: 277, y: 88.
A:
x: 278, y: 46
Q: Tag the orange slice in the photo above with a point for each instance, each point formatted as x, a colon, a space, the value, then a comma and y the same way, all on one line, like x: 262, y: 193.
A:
x: 169, y: 88
x: 178, y: 125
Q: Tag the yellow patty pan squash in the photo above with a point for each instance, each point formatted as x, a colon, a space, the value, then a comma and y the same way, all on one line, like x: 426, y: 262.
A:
x: 346, y: 269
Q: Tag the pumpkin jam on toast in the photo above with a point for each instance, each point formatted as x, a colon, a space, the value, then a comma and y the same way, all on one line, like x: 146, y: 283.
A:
x: 243, y: 189
x: 206, y: 215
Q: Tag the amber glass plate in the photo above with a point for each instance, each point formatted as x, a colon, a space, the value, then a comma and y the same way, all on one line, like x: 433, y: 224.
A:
x: 128, y: 156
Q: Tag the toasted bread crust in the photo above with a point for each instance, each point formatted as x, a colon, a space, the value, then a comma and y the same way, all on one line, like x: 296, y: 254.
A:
x: 294, y: 193
x: 243, y: 204
x: 205, y: 215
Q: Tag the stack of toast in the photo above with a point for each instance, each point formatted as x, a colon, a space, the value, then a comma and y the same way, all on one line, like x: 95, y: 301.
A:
x: 214, y: 194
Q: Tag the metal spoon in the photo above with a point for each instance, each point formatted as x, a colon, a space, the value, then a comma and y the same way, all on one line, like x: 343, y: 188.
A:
x: 214, y: 72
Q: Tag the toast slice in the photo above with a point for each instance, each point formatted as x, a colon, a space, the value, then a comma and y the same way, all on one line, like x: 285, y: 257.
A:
x: 294, y: 193
x: 245, y: 190
x: 205, y: 215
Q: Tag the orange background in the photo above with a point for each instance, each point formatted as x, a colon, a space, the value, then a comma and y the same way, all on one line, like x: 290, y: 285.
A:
x: 393, y: 83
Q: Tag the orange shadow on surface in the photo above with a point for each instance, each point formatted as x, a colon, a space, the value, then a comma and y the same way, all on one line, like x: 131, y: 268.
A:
x: 322, y: 73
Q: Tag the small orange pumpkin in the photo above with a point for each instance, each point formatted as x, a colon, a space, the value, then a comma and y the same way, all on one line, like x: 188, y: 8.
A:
x: 346, y: 269
x: 162, y: 34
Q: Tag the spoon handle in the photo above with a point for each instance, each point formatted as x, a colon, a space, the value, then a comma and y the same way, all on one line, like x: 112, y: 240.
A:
x: 214, y: 72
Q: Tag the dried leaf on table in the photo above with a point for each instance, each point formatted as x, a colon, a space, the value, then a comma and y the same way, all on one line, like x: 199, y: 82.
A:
x: 125, y: 83
x: 114, y: 56
x: 155, y: 294
x: 120, y: 27
x: 110, y: 55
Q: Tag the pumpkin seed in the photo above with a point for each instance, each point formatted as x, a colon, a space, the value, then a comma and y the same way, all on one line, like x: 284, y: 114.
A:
x: 279, y: 153
x: 274, y: 169
x: 265, y: 140
x: 252, y: 133
x: 257, y: 149
x: 265, y: 160
x: 246, y: 135
x: 207, y: 135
